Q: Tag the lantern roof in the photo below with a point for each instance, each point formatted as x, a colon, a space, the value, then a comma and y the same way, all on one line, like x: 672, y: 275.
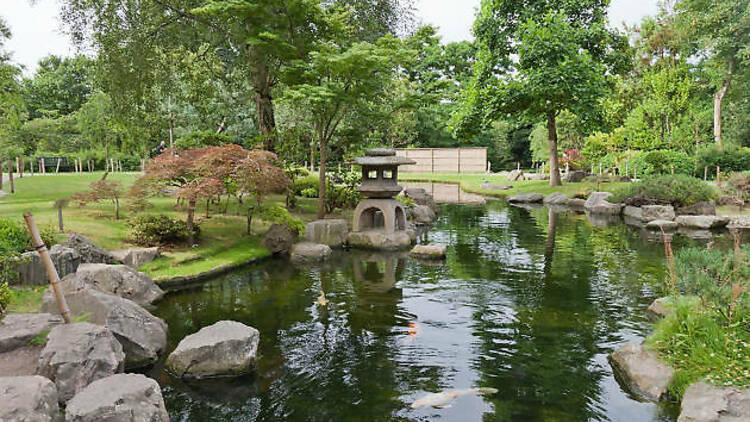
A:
x: 382, y: 157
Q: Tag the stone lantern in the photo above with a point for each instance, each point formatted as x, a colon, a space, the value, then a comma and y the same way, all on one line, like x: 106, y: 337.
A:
x: 380, y: 219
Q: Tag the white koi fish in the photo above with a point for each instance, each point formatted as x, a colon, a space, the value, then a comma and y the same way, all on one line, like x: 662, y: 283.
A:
x: 443, y: 399
x: 322, y: 301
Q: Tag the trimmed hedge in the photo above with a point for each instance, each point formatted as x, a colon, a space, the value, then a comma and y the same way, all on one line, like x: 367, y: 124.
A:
x: 728, y: 159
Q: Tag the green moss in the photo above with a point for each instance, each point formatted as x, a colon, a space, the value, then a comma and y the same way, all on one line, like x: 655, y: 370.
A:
x: 25, y: 299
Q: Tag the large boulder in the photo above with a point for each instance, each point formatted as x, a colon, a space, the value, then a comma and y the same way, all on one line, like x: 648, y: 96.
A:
x: 660, y: 307
x: 657, y: 212
x: 119, y: 280
x: 142, y: 335
x: 706, y: 403
x: 89, y: 252
x: 665, y: 225
x: 516, y: 175
x: 17, y: 330
x: 379, y: 240
x: 31, y: 270
x: 77, y: 355
x: 556, y: 198
x: 536, y: 176
x: 700, y: 208
x: 421, y: 197
x: 310, y: 252
x: 331, y: 232
x: 575, y: 176
x: 701, y: 222
x: 136, y: 257
x: 577, y: 203
x: 598, y: 204
x: 226, y: 348
x: 428, y: 252
x: 642, y: 370
x: 279, y: 239
x: 526, y: 198
x: 28, y: 399
x: 118, y: 398
x: 422, y: 214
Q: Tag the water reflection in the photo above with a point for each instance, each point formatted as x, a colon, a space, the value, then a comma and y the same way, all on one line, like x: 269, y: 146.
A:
x: 528, y: 301
x: 446, y: 193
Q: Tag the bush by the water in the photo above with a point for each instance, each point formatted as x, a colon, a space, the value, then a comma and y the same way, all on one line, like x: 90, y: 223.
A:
x: 280, y: 215
x: 306, y: 186
x: 728, y: 159
x: 159, y: 230
x: 707, y: 336
x: 662, y: 161
x: 676, y: 190
x: 15, y: 240
x: 4, y: 298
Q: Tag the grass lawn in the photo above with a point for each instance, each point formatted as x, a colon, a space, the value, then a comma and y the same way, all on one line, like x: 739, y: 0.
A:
x: 473, y: 182
x: 223, y: 236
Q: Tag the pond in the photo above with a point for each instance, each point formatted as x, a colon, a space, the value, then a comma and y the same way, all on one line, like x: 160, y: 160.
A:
x: 528, y: 302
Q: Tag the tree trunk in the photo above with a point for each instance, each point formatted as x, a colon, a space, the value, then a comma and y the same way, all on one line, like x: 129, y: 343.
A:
x: 117, y: 208
x: 189, y: 221
x: 249, y: 222
x: 171, y: 132
x: 222, y: 125
x: 554, y: 167
x: 261, y: 80
x: 10, y: 177
x: 322, y: 176
x: 106, y: 154
x: 718, y: 99
x: 60, y: 219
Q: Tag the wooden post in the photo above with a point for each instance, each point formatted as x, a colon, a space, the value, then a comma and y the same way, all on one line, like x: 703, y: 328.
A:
x: 718, y: 175
x: 119, y: 166
x: 54, y: 279
x: 600, y: 168
x: 31, y: 164
x: 432, y: 160
x: 592, y: 169
x: 635, y: 172
x: 42, y: 167
x: 671, y: 168
x: 57, y: 168
x: 10, y: 177
x: 705, y: 173
x: 1, y: 173
x: 459, y: 161
x: 19, y: 166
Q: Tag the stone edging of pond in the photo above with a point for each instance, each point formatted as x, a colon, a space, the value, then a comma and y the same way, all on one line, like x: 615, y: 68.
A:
x: 169, y: 284
x: 642, y: 371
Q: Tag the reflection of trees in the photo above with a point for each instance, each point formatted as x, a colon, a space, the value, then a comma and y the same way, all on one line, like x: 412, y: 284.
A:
x: 316, y: 363
x: 541, y: 319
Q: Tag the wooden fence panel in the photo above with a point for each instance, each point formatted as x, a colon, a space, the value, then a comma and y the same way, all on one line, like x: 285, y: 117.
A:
x: 445, y: 160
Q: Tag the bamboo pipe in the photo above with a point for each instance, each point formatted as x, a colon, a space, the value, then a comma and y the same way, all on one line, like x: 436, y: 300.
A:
x: 54, y: 279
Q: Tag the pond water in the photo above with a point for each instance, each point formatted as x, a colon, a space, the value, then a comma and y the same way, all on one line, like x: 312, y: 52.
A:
x: 529, y: 302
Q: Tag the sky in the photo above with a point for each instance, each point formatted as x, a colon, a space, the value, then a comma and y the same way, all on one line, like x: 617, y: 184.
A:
x: 36, y: 29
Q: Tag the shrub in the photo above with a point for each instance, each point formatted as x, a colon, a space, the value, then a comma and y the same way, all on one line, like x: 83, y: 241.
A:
x: 728, y: 159
x: 676, y: 190
x: 12, y: 237
x: 661, y: 162
x: 718, y: 277
x: 4, y: 298
x: 279, y: 215
x: 306, y: 184
x: 738, y: 187
x: 156, y: 230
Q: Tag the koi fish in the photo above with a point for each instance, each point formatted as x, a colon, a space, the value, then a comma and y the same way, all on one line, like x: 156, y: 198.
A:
x: 322, y: 301
x: 443, y: 399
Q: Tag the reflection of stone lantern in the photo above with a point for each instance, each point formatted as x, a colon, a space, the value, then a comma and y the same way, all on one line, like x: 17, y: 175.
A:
x: 380, y: 219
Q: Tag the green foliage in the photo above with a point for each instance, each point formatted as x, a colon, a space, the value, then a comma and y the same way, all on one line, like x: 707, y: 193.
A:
x: 200, y: 139
x: 304, y: 185
x: 4, y: 298
x: 719, y: 277
x: 662, y: 162
x: 40, y: 339
x: 156, y: 230
x: 59, y: 86
x: 727, y: 158
x: 701, y: 347
x: 280, y: 215
x: 676, y: 190
x: 13, y: 238
x: 406, y: 202
x: 738, y: 186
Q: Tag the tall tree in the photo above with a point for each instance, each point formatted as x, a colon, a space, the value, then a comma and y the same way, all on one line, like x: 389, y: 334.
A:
x: 334, y: 81
x: 721, y: 30
x: 12, y: 110
x: 270, y: 33
x: 59, y: 86
x: 539, y: 58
